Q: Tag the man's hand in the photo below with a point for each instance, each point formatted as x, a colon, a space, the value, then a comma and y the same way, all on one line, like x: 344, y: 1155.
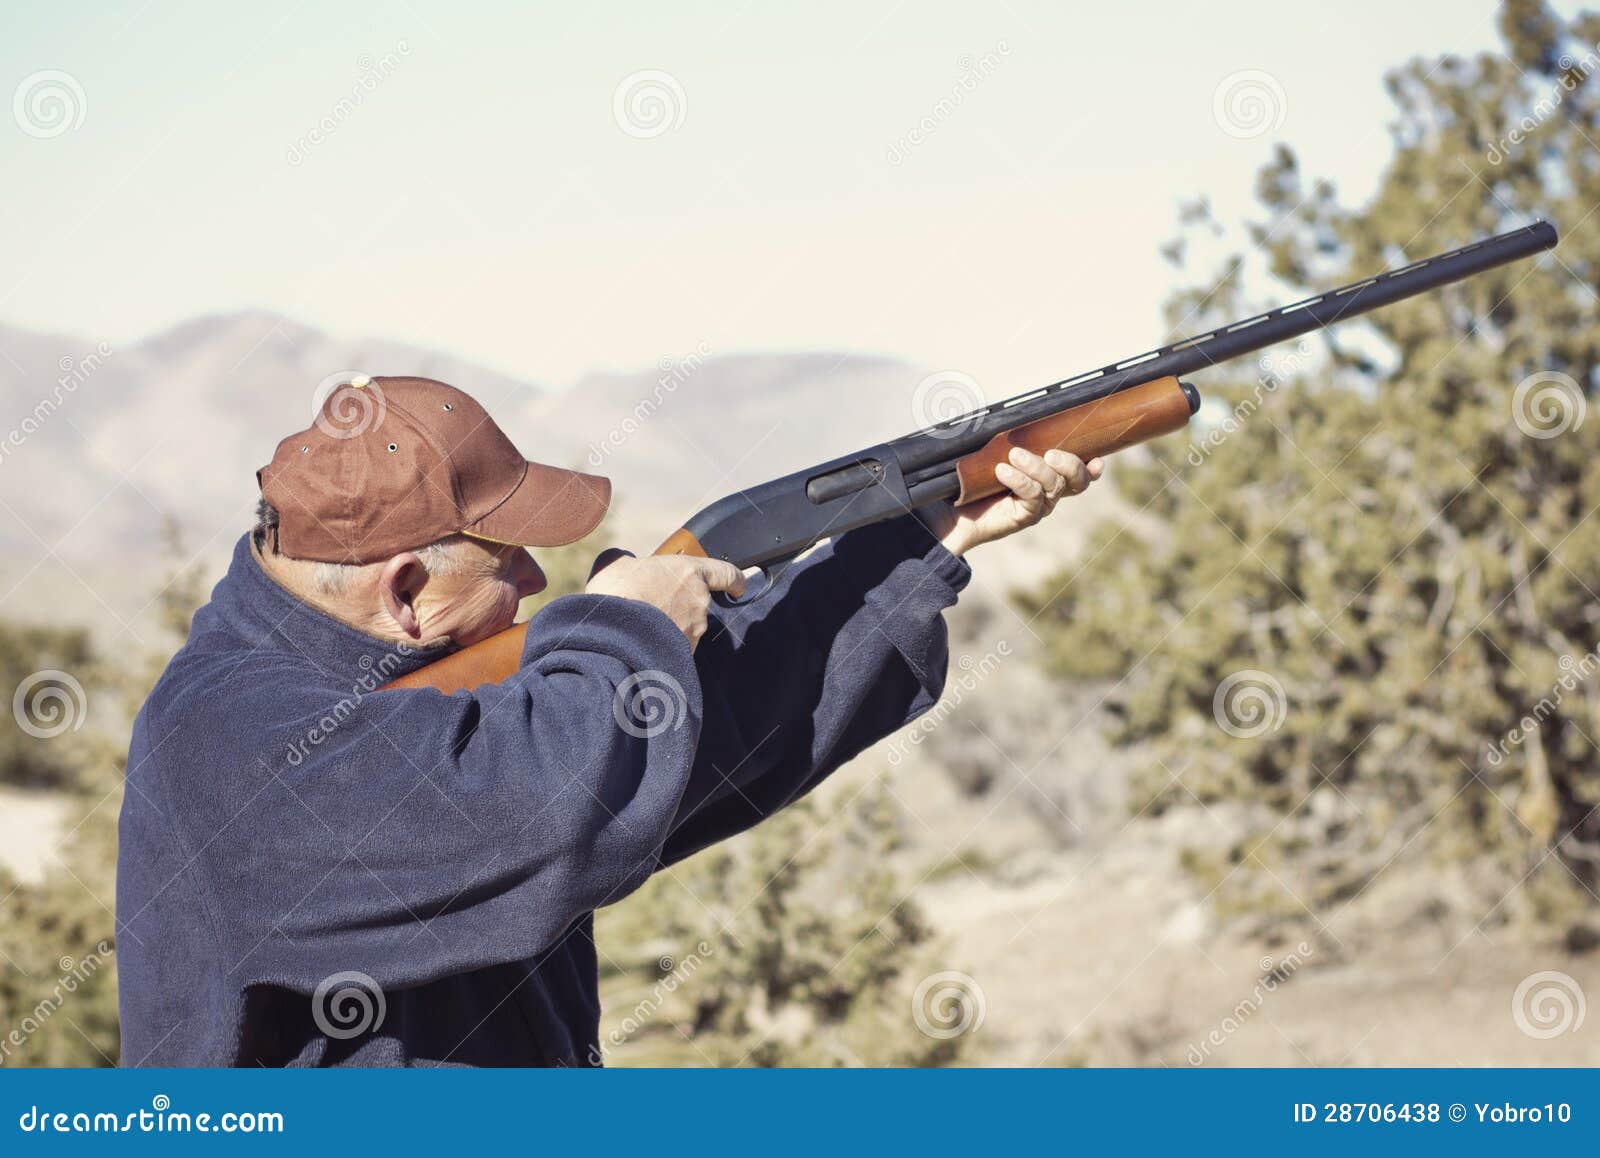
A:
x: 678, y: 585
x: 1036, y: 485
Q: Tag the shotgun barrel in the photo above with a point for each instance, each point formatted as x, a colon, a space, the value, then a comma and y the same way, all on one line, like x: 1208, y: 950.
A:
x: 924, y: 456
x: 1137, y: 399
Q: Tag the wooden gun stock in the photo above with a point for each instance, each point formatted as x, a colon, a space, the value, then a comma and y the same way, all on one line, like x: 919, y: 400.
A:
x: 494, y: 659
x: 1092, y: 430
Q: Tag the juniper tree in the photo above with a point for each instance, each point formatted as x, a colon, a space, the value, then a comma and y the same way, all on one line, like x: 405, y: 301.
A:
x: 1374, y: 609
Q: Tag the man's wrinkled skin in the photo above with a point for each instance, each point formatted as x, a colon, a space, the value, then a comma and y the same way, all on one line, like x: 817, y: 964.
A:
x: 398, y: 600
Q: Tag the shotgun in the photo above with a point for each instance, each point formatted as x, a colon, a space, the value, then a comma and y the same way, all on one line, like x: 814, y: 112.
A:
x: 1093, y: 414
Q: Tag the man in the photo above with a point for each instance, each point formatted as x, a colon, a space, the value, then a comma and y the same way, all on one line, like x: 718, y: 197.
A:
x: 316, y: 872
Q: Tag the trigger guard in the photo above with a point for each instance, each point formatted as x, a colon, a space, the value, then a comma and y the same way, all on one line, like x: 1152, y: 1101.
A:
x: 768, y: 576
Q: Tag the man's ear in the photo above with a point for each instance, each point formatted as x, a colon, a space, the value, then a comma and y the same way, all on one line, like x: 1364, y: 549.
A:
x: 401, y: 581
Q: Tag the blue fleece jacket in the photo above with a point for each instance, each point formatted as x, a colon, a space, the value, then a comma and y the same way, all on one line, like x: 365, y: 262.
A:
x: 303, y: 857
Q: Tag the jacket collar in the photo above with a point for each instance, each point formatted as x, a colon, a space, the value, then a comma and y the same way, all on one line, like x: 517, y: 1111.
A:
x: 272, y: 620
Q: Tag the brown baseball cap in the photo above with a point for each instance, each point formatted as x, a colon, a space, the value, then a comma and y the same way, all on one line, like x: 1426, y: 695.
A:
x: 394, y: 463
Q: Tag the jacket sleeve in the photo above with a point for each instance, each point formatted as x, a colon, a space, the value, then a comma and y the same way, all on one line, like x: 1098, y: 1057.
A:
x: 424, y: 835
x: 849, y: 646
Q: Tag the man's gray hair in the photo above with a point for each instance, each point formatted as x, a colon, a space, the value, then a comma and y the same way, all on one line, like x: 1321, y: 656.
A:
x: 334, y: 578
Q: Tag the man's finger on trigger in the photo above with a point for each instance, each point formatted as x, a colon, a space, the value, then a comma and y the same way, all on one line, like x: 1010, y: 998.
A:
x: 722, y: 576
x: 607, y: 557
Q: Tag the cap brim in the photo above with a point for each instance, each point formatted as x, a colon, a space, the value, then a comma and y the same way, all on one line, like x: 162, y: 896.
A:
x: 550, y: 507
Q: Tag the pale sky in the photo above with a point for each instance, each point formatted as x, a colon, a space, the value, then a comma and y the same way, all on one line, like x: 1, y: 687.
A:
x: 482, y: 195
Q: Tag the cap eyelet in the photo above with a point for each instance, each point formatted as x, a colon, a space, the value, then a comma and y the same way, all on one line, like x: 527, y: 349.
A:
x: 393, y: 448
x: 303, y: 449
x: 448, y: 406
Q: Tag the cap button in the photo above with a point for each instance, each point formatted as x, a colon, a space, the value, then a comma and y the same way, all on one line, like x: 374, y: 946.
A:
x: 361, y: 381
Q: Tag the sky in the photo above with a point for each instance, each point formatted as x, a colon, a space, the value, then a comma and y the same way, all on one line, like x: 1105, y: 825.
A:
x: 554, y: 189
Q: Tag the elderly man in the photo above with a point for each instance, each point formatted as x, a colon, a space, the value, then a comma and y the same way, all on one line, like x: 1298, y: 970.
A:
x: 314, y: 871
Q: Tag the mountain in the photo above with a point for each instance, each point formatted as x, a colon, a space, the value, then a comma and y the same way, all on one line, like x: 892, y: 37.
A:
x: 107, y: 443
x: 100, y: 444
x: 674, y: 438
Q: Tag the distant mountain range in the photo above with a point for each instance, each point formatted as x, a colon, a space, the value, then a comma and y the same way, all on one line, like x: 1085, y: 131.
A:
x: 100, y: 445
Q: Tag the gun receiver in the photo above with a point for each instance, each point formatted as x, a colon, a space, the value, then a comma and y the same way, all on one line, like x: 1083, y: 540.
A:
x: 1093, y: 414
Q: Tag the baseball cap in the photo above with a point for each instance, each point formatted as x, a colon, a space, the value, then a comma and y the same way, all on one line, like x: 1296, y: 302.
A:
x: 394, y: 463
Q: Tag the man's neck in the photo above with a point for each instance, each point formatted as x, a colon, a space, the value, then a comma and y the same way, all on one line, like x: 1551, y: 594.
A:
x: 289, y: 574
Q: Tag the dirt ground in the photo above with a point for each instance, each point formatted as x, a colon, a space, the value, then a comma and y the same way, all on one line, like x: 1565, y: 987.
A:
x: 1110, y: 956
x: 1093, y: 945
